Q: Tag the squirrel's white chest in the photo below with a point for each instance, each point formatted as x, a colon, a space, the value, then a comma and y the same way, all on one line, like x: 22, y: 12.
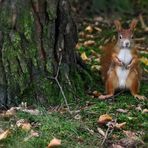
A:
x: 125, y: 56
x: 122, y: 72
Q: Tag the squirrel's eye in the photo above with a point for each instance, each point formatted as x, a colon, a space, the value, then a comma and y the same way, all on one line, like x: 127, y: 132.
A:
x: 120, y: 36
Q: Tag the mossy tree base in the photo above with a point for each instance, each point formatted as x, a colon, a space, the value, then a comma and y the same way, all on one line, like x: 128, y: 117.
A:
x: 37, y: 41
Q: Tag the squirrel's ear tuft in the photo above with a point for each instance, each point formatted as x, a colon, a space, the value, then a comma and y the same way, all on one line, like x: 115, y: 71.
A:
x: 118, y: 25
x: 133, y: 24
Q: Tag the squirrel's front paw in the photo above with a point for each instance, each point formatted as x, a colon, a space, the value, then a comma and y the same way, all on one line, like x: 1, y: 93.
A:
x: 118, y: 62
x: 132, y: 63
x: 129, y: 66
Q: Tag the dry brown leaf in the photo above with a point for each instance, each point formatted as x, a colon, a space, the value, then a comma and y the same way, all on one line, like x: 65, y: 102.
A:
x: 101, y: 131
x: 89, y: 43
x: 88, y: 103
x: 138, y: 108
x: 90, y: 131
x: 132, y: 139
x: 9, y: 113
x: 26, y: 126
x: 101, y: 47
x: 97, y: 55
x: 146, y: 29
x: 98, y: 18
x: 144, y: 60
x: 120, y: 110
x: 128, y: 142
x: 116, y: 146
x: 1, y: 130
x: 97, y: 60
x: 139, y: 39
x: 80, y: 40
x: 20, y: 122
x: 141, y: 48
x: 98, y: 29
x: 32, y: 134
x: 104, y: 119
x: 130, y: 134
x: 89, y: 36
x: 84, y: 56
x: 130, y: 118
x: 114, y: 136
x: 89, y: 29
x: 23, y: 105
x: 4, y: 134
x: 63, y: 110
x: 96, y: 67
x: 80, y: 139
x: 96, y: 94
x: 106, y: 41
x: 145, y: 111
x: 82, y: 34
x: 54, y: 143
x: 145, y: 70
x: 120, y: 125
x: 77, y: 117
x: 78, y: 45
x: 31, y: 111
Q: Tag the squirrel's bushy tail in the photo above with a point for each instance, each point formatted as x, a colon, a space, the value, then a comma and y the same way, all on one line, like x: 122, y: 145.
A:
x: 106, y: 58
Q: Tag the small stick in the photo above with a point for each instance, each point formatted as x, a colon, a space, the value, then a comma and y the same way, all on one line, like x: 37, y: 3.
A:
x: 3, y: 106
x: 106, y: 135
x: 116, y: 94
x: 59, y: 85
x: 65, y: 100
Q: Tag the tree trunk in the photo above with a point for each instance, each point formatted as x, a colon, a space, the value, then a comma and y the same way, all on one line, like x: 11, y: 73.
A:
x: 37, y: 56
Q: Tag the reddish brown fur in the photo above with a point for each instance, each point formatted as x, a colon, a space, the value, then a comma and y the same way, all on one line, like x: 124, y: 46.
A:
x: 109, y: 63
x: 126, y: 32
x: 106, y: 59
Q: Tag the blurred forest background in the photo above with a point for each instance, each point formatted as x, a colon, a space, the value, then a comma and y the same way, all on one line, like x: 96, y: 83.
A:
x: 111, y: 8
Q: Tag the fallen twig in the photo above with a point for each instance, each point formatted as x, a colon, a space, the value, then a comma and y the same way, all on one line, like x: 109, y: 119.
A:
x: 59, y: 85
x: 3, y: 106
x: 106, y: 135
x: 111, y: 126
x: 117, y: 94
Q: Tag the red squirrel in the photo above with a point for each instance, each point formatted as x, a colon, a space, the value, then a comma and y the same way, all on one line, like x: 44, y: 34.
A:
x: 120, y: 63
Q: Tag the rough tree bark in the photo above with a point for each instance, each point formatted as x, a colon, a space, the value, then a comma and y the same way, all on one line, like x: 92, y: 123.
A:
x: 37, y: 56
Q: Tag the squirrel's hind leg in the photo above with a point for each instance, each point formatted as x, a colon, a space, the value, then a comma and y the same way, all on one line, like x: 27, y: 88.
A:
x: 110, y: 85
x: 133, y: 84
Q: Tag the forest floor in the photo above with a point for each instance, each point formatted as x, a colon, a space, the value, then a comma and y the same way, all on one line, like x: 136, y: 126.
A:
x: 119, y: 122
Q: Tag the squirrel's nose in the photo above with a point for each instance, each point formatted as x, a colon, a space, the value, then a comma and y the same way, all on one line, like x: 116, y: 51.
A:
x: 127, y: 44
